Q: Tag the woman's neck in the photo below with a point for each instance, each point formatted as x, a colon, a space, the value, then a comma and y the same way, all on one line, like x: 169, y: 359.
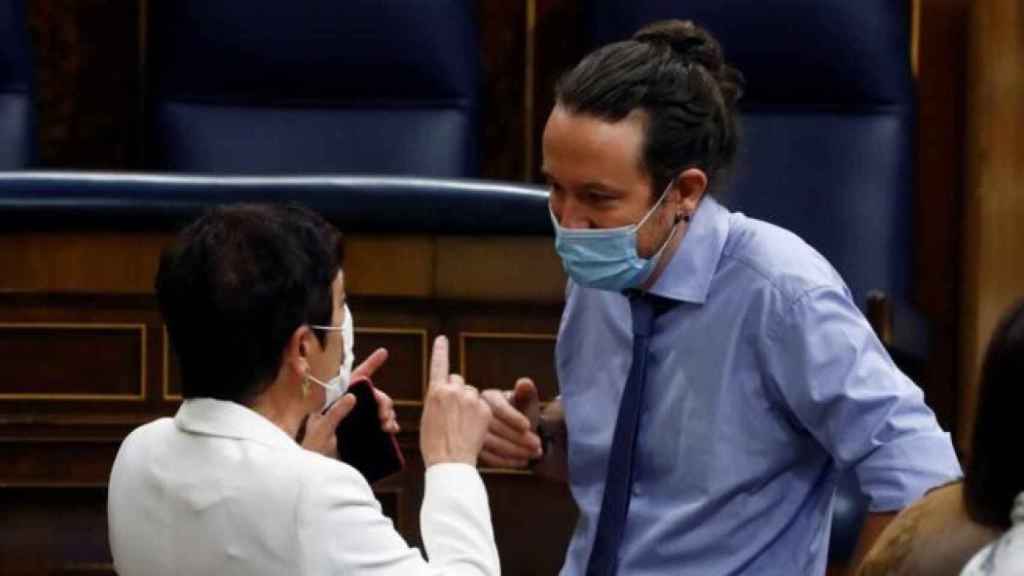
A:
x: 285, y: 413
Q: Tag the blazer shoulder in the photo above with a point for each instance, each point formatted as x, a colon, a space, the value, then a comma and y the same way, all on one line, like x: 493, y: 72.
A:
x: 150, y: 433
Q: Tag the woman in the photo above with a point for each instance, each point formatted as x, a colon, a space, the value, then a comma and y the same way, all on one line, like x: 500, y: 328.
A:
x: 941, y: 532
x: 994, y: 488
x: 254, y: 301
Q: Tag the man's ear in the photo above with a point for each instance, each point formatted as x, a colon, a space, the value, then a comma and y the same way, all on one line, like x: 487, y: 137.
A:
x: 690, y: 187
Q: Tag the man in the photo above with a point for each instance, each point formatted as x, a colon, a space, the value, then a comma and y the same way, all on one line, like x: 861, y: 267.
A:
x: 715, y: 374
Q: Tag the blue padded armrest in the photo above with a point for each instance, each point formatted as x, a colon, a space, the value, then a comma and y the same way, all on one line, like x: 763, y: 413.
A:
x: 355, y: 203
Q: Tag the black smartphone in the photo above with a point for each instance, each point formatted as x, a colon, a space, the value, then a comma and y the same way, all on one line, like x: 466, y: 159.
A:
x: 361, y: 442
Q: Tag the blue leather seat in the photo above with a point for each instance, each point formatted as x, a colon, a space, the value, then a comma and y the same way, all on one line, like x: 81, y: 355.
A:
x: 264, y: 87
x: 827, y: 138
x: 16, y: 109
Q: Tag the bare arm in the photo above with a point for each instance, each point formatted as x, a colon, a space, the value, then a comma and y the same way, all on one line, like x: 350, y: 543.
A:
x: 874, y: 524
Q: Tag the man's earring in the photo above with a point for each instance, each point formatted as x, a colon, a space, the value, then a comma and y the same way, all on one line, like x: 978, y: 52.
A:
x: 305, y: 386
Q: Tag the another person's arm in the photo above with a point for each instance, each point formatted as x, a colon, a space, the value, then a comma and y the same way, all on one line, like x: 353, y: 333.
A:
x: 874, y: 524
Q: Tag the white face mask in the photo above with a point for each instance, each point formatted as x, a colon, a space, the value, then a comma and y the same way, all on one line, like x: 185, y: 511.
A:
x: 335, y: 387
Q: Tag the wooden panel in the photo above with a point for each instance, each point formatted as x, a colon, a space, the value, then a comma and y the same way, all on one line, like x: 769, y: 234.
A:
x: 54, y: 531
x: 499, y: 269
x: 496, y: 360
x: 73, y: 361
x: 533, y: 522
x: 939, y: 195
x: 101, y: 363
x: 995, y: 208
x: 66, y: 262
x: 392, y: 265
x: 56, y: 462
x: 404, y: 376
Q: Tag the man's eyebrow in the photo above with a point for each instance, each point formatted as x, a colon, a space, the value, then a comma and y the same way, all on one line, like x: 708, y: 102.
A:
x: 602, y: 187
x: 599, y: 186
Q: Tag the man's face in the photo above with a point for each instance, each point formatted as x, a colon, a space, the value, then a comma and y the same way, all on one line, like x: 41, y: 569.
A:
x: 595, y: 171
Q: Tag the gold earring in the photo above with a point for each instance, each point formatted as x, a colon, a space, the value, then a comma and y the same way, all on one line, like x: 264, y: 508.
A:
x: 305, y: 386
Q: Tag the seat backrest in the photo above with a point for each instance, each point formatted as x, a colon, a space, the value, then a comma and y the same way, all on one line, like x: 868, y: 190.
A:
x: 16, y: 110
x: 263, y: 86
x: 827, y: 121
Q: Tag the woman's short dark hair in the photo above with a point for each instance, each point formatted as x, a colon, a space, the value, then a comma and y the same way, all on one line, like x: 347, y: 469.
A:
x: 673, y: 71
x: 234, y: 287
x: 994, y: 477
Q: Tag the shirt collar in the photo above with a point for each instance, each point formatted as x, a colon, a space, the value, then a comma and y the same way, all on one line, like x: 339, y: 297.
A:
x: 230, y: 420
x: 688, y: 276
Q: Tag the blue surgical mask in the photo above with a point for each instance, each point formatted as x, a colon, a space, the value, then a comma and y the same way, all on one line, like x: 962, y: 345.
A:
x: 606, y: 258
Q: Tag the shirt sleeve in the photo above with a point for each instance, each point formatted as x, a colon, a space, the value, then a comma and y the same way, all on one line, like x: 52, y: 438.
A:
x: 343, y: 531
x: 836, y: 379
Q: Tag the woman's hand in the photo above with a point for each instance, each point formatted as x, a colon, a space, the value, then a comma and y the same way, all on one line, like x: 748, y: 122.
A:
x: 455, y: 419
x: 320, y: 428
x: 385, y: 405
x: 386, y: 412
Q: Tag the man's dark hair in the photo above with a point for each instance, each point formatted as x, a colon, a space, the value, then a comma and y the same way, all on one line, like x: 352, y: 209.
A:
x: 673, y: 71
x: 235, y: 286
x: 994, y: 477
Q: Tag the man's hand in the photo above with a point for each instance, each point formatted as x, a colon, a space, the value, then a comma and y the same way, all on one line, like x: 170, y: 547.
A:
x: 320, y: 427
x: 455, y: 419
x: 512, y: 440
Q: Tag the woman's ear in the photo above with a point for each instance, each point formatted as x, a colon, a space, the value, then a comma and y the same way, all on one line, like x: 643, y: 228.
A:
x: 296, y: 351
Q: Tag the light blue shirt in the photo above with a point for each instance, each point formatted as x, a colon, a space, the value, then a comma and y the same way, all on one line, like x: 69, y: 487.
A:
x: 764, y: 381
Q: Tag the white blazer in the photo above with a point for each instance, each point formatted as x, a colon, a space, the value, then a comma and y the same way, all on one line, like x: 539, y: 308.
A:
x: 221, y: 490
